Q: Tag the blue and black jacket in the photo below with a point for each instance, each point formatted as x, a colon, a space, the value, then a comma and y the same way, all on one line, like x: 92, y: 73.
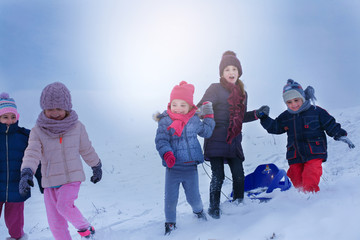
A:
x: 13, y: 142
x: 306, y: 133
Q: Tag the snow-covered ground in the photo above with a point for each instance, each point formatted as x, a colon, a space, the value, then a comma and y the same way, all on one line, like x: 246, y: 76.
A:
x: 128, y: 202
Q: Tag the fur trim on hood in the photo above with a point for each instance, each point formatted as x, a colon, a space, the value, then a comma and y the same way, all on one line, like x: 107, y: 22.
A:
x: 156, y: 116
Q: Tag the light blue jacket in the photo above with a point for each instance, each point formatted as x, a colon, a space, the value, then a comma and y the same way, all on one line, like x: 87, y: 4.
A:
x: 186, y: 148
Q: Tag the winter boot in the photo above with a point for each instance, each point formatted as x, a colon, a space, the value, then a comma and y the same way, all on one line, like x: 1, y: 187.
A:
x: 87, y: 233
x: 214, y: 209
x: 24, y: 237
x: 238, y: 201
x: 201, y: 215
x: 169, y: 227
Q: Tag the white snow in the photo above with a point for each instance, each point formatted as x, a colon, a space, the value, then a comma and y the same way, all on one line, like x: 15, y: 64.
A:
x: 128, y: 202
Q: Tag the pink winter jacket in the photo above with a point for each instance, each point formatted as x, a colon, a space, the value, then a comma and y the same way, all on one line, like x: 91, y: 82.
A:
x: 59, y: 156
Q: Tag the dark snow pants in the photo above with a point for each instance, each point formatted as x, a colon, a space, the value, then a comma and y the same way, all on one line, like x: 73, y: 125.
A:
x: 218, y: 176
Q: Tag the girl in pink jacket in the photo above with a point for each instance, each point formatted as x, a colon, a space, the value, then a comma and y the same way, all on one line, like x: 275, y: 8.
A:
x: 57, y: 141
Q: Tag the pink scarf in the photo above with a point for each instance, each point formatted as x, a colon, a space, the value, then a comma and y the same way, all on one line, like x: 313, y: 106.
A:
x: 236, y: 109
x: 180, y: 120
x: 57, y: 127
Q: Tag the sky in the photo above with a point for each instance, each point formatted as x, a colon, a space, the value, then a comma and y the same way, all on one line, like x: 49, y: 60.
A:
x: 128, y: 54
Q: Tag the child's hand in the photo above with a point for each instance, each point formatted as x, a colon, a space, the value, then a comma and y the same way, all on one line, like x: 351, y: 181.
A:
x: 169, y: 159
x: 97, y: 173
x: 346, y: 140
x: 206, y: 110
x: 262, y: 112
x: 26, y: 181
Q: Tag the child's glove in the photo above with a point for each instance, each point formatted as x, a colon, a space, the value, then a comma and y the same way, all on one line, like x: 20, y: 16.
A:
x: 26, y: 181
x: 169, y: 159
x: 206, y: 110
x: 97, y: 173
x: 262, y: 112
x: 346, y: 140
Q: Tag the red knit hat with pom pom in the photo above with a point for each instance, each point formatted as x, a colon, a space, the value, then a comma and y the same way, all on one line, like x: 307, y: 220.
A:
x: 183, y: 91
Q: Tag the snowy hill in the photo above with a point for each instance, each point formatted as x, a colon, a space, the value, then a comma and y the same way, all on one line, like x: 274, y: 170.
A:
x: 128, y: 202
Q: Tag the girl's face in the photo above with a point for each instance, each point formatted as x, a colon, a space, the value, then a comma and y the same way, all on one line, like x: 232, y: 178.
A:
x: 294, y: 104
x: 231, y: 74
x: 179, y: 106
x: 56, y: 113
x: 8, y: 118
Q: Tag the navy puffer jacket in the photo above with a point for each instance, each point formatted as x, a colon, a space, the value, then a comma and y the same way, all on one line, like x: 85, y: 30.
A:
x: 13, y: 142
x: 216, y: 145
x: 306, y: 133
x: 186, y: 148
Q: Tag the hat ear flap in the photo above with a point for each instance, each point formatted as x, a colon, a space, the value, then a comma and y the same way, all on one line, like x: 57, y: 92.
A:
x: 310, y: 94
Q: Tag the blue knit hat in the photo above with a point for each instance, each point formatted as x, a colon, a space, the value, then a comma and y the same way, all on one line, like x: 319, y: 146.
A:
x: 293, y: 90
x: 7, y: 105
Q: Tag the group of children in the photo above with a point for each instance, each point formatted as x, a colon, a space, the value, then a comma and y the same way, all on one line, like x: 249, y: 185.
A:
x: 223, y: 109
x: 58, y: 141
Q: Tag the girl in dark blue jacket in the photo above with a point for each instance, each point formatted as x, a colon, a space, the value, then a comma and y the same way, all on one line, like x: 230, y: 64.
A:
x: 13, y: 141
x: 305, y: 125
x: 177, y: 143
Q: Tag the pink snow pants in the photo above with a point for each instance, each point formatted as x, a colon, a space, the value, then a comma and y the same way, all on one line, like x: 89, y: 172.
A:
x: 14, y: 218
x: 60, y: 209
x: 306, y: 176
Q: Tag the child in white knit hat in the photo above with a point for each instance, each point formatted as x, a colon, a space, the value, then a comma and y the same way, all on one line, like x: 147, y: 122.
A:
x: 305, y: 125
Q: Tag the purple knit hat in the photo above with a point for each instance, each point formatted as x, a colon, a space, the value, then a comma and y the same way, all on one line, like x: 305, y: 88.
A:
x: 56, y: 95
x: 7, y: 105
x: 229, y: 58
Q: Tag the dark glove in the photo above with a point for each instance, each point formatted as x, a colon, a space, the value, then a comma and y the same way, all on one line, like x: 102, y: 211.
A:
x: 97, y: 173
x: 346, y: 140
x: 262, y: 112
x: 26, y: 181
x: 206, y: 110
x: 169, y: 159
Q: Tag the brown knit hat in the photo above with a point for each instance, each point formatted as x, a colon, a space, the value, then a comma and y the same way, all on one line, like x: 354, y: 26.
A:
x: 229, y: 58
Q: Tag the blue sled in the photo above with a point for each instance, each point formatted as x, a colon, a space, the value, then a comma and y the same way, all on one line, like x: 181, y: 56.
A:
x: 266, y: 177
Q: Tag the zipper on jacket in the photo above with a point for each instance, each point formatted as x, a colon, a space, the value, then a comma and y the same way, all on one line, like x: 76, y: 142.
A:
x: 7, y: 164
x: 296, y: 141
x: 64, y: 157
x: 188, y: 146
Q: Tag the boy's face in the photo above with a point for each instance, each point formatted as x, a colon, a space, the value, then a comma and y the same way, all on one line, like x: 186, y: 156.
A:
x: 231, y: 74
x: 8, y: 118
x: 294, y: 104
x: 56, y: 113
x: 179, y: 106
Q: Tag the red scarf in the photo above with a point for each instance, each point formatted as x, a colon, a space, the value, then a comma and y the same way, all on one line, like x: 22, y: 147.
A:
x: 236, y: 109
x: 180, y: 120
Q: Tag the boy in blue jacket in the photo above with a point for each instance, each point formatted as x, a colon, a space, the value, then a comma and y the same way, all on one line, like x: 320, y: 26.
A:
x: 178, y: 146
x: 305, y: 125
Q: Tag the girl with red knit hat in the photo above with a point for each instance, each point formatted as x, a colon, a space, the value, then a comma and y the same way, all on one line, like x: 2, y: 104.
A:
x: 180, y: 151
x: 229, y: 100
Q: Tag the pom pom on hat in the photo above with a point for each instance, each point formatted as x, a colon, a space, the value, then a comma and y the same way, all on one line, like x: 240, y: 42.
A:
x: 229, y: 58
x: 56, y: 95
x: 183, y: 91
x: 293, y: 90
x: 7, y: 105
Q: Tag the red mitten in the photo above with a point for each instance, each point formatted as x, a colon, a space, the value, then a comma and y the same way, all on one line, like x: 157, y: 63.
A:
x: 169, y: 159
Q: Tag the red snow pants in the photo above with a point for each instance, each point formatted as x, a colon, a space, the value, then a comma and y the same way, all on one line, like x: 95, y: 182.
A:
x: 306, y: 176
